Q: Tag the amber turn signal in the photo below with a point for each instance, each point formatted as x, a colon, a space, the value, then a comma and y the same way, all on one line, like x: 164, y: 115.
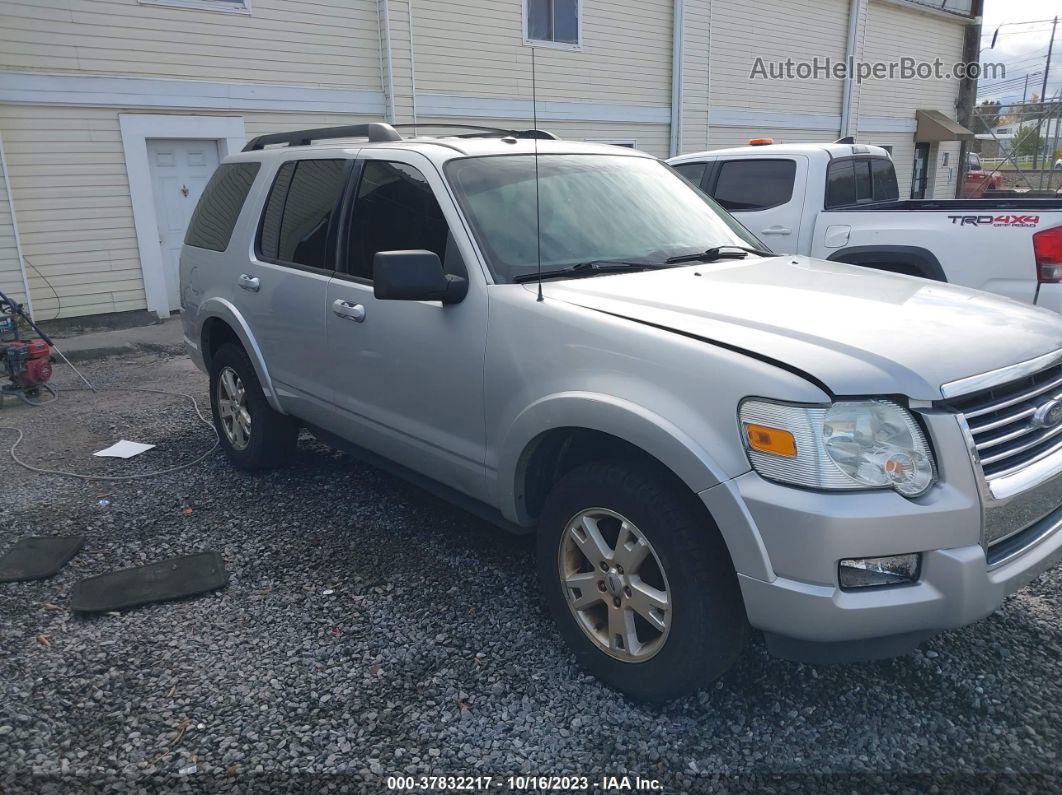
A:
x: 771, y: 440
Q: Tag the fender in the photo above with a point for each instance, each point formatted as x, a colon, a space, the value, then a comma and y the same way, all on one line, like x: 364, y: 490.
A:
x: 654, y: 434
x: 922, y: 261
x: 224, y: 310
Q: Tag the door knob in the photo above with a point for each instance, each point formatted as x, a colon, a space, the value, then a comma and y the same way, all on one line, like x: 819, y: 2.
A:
x: 777, y: 230
x: 184, y: 190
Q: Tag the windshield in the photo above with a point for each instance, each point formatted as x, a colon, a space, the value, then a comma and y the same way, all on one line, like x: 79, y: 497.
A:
x: 593, y: 207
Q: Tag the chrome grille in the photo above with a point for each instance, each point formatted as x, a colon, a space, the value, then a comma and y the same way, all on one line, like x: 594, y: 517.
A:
x: 1001, y: 422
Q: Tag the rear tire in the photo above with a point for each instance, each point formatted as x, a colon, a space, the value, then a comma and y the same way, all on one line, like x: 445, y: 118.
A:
x: 253, y: 435
x: 639, y: 511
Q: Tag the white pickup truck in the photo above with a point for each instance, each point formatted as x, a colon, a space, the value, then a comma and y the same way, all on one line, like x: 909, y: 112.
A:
x: 840, y: 202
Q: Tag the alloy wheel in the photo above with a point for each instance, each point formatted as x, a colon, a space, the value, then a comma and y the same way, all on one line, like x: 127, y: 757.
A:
x: 614, y: 584
x: 232, y: 409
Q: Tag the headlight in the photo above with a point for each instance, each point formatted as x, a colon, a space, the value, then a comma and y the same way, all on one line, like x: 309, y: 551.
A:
x: 863, y: 444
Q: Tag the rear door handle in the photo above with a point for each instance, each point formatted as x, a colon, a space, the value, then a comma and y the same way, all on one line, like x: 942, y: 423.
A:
x: 252, y: 283
x: 777, y: 230
x: 348, y: 311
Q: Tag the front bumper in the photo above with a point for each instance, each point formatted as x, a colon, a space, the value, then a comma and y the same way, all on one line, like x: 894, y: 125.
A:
x: 788, y: 574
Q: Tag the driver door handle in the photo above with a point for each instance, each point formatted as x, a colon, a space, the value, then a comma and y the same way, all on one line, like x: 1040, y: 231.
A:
x: 348, y: 311
x: 252, y: 283
x: 777, y: 230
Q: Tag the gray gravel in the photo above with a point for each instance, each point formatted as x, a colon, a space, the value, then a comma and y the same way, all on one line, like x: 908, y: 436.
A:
x: 371, y: 630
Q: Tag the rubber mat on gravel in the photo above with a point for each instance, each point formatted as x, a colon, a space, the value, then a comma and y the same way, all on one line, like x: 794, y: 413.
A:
x: 38, y: 557
x: 174, y: 578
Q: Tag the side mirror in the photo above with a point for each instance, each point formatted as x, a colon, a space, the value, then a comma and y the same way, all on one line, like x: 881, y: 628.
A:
x: 415, y: 276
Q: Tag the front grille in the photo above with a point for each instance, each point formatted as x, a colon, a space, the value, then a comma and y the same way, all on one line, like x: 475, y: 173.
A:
x: 1000, y: 420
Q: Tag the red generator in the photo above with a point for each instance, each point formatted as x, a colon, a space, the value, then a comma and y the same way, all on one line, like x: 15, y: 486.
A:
x: 27, y: 362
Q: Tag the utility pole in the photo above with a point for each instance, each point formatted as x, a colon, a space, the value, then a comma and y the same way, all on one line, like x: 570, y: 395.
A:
x: 966, y: 98
x: 1043, y: 94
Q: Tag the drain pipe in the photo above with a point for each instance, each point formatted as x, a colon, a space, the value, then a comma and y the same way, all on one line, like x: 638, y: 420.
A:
x: 14, y: 228
x: 855, y: 10
x: 387, y: 59
x: 676, y: 77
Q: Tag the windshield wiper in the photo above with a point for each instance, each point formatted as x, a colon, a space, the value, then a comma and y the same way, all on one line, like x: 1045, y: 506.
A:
x: 719, y: 252
x: 589, y: 269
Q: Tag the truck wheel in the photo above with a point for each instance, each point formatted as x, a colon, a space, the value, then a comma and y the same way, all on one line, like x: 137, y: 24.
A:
x: 639, y: 581
x: 253, y: 436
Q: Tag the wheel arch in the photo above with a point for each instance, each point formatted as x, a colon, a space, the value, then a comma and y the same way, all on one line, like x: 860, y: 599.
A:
x: 222, y: 322
x: 909, y: 260
x: 559, y: 432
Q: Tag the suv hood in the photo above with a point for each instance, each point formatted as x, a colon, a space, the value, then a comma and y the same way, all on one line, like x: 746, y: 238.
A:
x: 858, y: 331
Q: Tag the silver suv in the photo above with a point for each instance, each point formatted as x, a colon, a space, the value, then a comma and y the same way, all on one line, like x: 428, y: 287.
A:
x: 569, y: 339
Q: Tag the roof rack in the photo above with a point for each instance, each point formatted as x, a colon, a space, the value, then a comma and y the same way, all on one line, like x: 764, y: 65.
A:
x: 378, y: 131
x: 482, y: 132
x: 375, y: 131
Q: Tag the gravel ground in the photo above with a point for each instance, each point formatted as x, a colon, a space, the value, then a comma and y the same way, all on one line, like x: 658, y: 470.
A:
x: 371, y: 630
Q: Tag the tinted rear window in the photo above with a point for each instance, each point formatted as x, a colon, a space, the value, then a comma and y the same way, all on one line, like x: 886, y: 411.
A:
x: 883, y: 174
x: 860, y: 179
x: 298, y: 213
x: 219, y: 206
x: 754, y: 184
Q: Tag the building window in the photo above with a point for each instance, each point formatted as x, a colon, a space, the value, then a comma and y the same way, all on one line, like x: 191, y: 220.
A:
x: 552, y: 22
x: 225, y: 6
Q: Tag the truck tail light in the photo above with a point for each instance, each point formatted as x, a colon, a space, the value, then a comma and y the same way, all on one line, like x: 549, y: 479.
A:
x: 1047, y: 245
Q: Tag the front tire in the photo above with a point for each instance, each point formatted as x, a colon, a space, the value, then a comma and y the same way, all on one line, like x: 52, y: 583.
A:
x: 253, y: 435
x: 639, y: 581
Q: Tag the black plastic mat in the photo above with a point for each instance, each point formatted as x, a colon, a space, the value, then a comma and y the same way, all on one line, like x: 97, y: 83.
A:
x: 38, y: 557
x: 157, y: 582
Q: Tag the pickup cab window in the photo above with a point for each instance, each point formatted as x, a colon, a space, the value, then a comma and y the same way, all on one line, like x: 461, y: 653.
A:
x: 591, y: 208
x: 858, y: 180
x: 693, y: 173
x: 749, y: 185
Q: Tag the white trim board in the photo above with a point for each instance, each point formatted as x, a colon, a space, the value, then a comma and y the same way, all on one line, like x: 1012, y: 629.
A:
x: 14, y: 227
x: 31, y: 88
x: 224, y: 6
x: 775, y: 120
x: 136, y: 129
x: 453, y: 105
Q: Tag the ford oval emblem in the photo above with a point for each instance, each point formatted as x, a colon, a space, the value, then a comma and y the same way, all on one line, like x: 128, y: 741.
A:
x: 1049, y: 415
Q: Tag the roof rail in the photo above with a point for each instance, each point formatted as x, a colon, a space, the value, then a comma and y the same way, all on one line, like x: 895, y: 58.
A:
x: 482, y: 132
x: 375, y: 131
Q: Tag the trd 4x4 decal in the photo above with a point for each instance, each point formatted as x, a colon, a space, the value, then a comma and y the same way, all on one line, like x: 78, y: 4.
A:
x: 995, y: 220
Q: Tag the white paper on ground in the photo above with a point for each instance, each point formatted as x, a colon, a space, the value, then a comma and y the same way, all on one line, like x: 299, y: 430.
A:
x: 124, y: 449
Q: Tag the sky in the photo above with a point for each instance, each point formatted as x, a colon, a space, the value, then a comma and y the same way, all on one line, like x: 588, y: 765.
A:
x: 1021, y: 47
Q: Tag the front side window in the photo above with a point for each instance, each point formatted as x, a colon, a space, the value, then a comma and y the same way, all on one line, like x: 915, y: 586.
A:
x: 592, y: 207
x: 298, y: 213
x: 395, y: 210
x: 219, y: 206
x: 553, y: 21
x: 759, y: 184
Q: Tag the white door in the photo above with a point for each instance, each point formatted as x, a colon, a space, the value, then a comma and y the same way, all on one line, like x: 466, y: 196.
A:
x: 179, y: 172
x: 765, y: 194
